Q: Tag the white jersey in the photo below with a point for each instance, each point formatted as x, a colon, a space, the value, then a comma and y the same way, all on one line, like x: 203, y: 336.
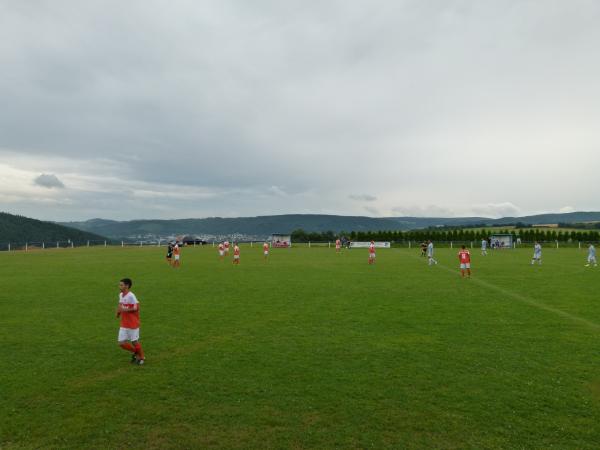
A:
x: 483, y: 244
x: 592, y: 251
x: 537, y: 250
x: 430, y: 249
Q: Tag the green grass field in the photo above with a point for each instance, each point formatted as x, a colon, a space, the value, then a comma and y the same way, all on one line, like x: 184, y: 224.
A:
x: 310, y: 350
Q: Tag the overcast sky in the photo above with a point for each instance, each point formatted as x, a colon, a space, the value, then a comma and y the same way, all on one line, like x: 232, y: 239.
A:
x: 171, y: 109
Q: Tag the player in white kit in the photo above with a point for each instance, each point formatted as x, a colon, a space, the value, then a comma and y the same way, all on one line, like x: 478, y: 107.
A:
x: 591, y: 256
x: 430, y: 258
x: 484, y: 247
x: 537, y: 253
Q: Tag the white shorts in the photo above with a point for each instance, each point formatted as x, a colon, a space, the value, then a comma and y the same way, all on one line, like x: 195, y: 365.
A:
x: 236, y: 256
x: 537, y: 256
x: 177, y: 257
x: 465, y: 266
x: 129, y: 334
x: 371, y: 255
x: 591, y: 258
x: 221, y: 253
x: 266, y: 253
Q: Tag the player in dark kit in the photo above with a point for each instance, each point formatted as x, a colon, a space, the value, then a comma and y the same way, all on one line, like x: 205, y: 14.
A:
x: 169, y: 253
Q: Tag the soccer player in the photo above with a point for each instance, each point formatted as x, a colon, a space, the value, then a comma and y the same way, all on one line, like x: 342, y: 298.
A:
x: 430, y: 258
x: 226, y: 246
x: 177, y: 256
x: 464, y: 256
x: 129, y: 313
x: 591, y: 256
x: 372, y: 252
x: 221, y: 251
x: 423, y: 249
x: 338, y: 245
x: 537, y: 253
x: 483, y: 247
x: 236, y: 254
x: 266, y: 250
x: 169, y: 253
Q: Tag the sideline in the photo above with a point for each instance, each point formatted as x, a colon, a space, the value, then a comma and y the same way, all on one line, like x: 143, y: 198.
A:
x: 522, y: 298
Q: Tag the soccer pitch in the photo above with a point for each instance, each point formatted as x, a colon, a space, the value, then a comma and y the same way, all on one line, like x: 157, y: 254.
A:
x: 312, y: 349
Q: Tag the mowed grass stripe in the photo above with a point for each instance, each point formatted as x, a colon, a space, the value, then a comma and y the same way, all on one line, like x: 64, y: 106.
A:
x: 310, y: 350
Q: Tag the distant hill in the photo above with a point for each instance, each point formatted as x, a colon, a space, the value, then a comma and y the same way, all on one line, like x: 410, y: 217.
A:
x: 574, y: 217
x: 266, y: 225
x: 19, y: 229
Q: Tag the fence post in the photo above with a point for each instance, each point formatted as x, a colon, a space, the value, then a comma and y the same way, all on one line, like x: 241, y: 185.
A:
x: 409, y: 244
x: 9, y: 246
x: 122, y: 244
x: 251, y: 244
x: 308, y: 244
x: 57, y: 244
x: 25, y: 246
x: 557, y: 244
x: 88, y: 243
x: 451, y: 244
x: 579, y: 245
x: 471, y: 244
x: 329, y: 244
x: 105, y: 243
x: 213, y: 244
x: 72, y: 244
x: 141, y: 243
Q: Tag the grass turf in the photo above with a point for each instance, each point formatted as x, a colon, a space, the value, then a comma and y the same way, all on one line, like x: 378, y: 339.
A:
x: 310, y: 350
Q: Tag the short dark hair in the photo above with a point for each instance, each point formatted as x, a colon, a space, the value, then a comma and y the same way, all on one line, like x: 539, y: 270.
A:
x: 127, y: 281
x: 464, y: 246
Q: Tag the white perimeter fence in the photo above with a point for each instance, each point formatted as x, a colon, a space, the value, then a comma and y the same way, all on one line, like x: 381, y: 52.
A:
x: 34, y: 246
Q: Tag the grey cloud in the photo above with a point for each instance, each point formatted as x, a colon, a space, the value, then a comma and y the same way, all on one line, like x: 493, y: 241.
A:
x: 372, y: 211
x: 363, y: 197
x: 48, y: 181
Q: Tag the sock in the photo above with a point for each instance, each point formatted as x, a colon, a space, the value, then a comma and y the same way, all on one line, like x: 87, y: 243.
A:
x: 138, y: 350
x: 127, y: 346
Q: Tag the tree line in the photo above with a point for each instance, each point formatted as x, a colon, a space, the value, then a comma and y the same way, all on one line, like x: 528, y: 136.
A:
x: 446, y: 235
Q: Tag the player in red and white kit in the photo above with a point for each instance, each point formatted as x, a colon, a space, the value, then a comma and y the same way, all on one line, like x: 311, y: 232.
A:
x: 129, y: 313
x: 177, y: 256
x: 266, y: 250
x: 236, y: 254
x: 226, y: 247
x: 372, y: 253
x: 464, y: 256
x: 221, y: 251
x: 338, y: 245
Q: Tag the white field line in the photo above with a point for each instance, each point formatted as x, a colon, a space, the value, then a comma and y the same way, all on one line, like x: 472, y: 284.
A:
x: 523, y: 299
